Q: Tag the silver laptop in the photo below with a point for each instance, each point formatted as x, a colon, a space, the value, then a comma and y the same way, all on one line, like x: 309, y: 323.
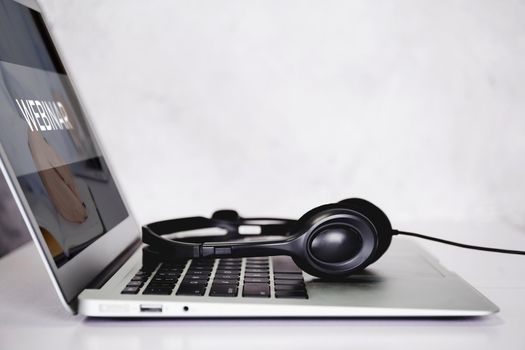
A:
x: 90, y: 243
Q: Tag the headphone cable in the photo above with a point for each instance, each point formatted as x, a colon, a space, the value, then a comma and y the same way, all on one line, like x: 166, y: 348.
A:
x: 461, y: 245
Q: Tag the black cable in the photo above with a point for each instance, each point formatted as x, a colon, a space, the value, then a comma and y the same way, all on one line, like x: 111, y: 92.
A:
x: 496, y: 250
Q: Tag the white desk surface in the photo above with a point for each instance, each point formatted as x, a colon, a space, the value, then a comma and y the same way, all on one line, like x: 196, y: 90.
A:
x: 31, y: 316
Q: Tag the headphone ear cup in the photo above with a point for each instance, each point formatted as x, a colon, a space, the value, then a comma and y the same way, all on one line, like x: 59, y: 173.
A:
x: 304, y: 258
x: 378, y: 219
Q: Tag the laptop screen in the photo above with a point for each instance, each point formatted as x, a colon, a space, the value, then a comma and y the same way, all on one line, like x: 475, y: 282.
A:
x: 46, y: 139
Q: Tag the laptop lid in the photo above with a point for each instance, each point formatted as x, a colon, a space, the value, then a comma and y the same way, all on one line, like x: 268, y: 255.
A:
x: 51, y: 159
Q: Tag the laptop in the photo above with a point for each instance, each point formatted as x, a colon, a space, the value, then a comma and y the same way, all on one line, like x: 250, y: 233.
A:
x: 90, y: 243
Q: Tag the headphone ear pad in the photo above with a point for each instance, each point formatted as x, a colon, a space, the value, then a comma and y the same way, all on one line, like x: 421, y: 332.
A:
x: 378, y: 219
x: 303, y: 258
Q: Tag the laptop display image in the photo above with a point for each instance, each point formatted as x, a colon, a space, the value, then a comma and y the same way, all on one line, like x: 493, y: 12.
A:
x: 44, y: 134
x: 90, y: 243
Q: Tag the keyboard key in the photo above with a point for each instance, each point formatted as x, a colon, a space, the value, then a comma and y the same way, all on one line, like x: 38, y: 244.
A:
x: 257, y: 275
x: 162, y: 273
x: 195, y: 278
x: 252, y: 270
x: 234, y: 274
x: 284, y: 264
x: 202, y: 263
x: 143, y: 274
x: 290, y: 287
x: 226, y: 277
x: 199, y: 283
x: 228, y: 272
x: 164, y: 281
x: 225, y: 282
x: 140, y: 278
x: 157, y: 291
x: 130, y: 290
x: 161, y: 285
x: 168, y: 274
x: 198, y: 272
x: 229, y: 268
x: 256, y: 280
x: 261, y: 290
x: 291, y: 294
x: 257, y: 266
x: 158, y: 277
x: 223, y: 291
x: 230, y: 263
x: 200, y: 267
x: 203, y: 268
x: 193, y: 284
x: 191, y: 290
x: 174, y: 273
x: 135, y: 284
x: 288, y: 276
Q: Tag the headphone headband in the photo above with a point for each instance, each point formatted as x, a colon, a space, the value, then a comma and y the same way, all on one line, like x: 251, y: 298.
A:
x: 199, y: 246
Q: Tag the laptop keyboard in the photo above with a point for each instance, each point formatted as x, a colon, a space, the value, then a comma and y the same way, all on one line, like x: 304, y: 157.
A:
x: 258, y: 277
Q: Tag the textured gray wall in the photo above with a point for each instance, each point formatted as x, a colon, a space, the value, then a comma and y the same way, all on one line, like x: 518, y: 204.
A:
x: 276, y: 106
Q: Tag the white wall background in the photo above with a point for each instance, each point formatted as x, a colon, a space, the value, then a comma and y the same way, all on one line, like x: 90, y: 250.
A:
x: 276, y: 106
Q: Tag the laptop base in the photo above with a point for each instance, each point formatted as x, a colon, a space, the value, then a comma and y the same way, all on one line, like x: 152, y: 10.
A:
x: 406, y: 282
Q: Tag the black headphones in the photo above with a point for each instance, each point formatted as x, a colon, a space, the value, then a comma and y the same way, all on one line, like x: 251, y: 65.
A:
x: 330, y: 241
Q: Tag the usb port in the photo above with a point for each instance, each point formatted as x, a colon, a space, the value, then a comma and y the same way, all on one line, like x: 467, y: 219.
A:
x: 150, y: 308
